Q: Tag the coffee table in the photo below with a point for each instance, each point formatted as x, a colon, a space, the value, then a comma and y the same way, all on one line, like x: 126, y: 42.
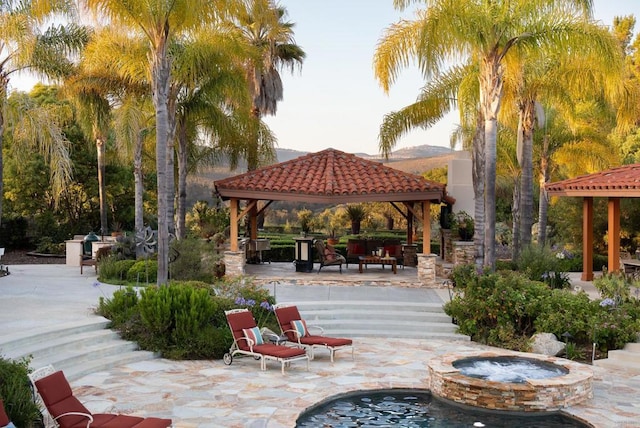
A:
x: 377, y: 260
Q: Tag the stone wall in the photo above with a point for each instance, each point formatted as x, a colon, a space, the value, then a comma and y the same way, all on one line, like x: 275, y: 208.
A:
x: 463, y: 252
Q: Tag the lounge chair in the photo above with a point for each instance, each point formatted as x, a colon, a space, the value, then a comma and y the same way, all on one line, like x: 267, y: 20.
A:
x: 4, y: 418
x: 328, y: 256
x: 68, y: 412
x: 247, y: 340
x: 297, y: 331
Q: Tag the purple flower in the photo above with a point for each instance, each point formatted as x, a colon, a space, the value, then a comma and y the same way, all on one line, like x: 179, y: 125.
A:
x: 607, y: 302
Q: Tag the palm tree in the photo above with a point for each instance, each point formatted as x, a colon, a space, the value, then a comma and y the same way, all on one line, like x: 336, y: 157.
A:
x: 561, y: 77
x: 160, y: 22
x: 24, y: 47
x: 481, y: 34
x: 262, y: 25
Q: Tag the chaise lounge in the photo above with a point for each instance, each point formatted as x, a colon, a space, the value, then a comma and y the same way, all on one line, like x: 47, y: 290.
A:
x: 247, y: 340
x: 297, y: 331
x: 68, y: 412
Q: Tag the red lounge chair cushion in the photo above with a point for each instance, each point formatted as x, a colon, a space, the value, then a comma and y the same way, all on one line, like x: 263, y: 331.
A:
x: 154, y: 423
x: 121, y: 421
x: 326, y: 341
x: 278, y: 351
x: 285, y: 315
x: 4, y: 419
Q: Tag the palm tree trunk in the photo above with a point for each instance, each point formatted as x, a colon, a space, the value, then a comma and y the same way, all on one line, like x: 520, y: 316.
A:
x: 478, y: 190
x: 516, y: 210
x: 171, y: 182
x: 139, y: 189
x: 181, y: 231
x: 161, y: 82
x: 100, y: 149
x: 527, y: 121
x: 491, y: 84
x: 3, y: 101
x: 544, y: 201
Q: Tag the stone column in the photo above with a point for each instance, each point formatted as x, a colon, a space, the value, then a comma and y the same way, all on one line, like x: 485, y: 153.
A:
x: 427, y: 270
x: 234, y: 262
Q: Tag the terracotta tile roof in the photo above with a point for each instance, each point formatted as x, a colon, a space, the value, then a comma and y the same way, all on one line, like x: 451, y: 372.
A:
x: 330, y: 176
x: 622, y: 181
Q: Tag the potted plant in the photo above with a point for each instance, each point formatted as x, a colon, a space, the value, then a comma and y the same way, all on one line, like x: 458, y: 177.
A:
x: 356, y: 213
x: 305, y: 217
x: 463, y: 225
x: 336, y: 222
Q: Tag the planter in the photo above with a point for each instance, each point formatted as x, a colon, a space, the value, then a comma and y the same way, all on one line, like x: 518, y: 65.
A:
x: 333, y: 241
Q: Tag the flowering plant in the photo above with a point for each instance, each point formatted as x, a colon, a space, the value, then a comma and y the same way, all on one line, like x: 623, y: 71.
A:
x: 264, y: 310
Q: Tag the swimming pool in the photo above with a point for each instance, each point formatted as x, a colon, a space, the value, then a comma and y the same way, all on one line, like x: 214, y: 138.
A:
x: 416, y: 408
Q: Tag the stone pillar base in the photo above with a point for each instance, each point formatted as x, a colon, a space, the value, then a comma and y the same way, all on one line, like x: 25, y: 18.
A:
x: 234, y: 262
x: 427, y: 270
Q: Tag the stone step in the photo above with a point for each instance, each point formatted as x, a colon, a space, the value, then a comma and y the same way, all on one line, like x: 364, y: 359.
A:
x: 616, y: 364
x: 415, y: 320
x: 624, y: 355
x: 632, y: 347
x: 77, y: 348
x: 369, y: 306
x: 13, y: 342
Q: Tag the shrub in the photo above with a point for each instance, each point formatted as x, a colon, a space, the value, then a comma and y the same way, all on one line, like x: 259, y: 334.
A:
x: 120, y: 308
x: 113, y: 270
x: 535, y: 262
x: 613, y: 285
x: 461, y: 275
x: 194, y: 261
x: 143, y: 271
x: 15, y: 390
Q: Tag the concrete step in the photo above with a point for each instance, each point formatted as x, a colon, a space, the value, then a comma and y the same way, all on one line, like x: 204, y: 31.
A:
x: 415, y: 320
x: 369, y: 306
x: 623, y: 355
x: 77, y: 348
x: 19, y: 340
x: 633, y: 368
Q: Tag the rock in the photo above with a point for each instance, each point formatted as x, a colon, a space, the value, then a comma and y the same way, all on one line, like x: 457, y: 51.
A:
x: 546, y: 344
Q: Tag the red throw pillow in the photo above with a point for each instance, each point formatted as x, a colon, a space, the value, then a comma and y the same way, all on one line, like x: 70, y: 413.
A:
x: 329, y: 254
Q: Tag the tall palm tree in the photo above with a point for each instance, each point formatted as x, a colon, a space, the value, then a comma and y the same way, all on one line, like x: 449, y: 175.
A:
x: 262, y: 24
x: 160, y: 22
x: 561, y: 77
x: 24, y: 47
x: 483, y: 34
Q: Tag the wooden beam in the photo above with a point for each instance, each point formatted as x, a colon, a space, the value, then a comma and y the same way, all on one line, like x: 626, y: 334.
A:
x: 614, y: 235
x: 587, y: 239
x: 426, y: 227
x: 234, y: 204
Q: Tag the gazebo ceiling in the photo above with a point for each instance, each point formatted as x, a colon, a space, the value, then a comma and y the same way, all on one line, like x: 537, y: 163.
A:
x: 622, y: 181
x: 330, y: 176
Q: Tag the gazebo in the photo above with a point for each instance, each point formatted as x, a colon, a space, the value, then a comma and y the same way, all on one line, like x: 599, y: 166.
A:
x: 330, y: 177
x: 613, y: 184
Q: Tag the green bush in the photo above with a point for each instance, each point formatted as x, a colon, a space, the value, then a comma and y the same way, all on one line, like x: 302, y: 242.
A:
x: 143, y: 272
x: 613, y: 285
x: 194, y: 261
x: 120, y: 308
x: 461, y: 275
x: 505, y: 309
x: 113, y: 270
x: 15, y: 390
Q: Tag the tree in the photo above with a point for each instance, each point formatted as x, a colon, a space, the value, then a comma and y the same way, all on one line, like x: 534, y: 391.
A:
x: 262, y: 25
x: 481, y: 34
x: 24, y: 47
x: 161, y: 21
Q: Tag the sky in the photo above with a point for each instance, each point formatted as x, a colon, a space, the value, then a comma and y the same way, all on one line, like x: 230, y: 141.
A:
x: 334, y: 100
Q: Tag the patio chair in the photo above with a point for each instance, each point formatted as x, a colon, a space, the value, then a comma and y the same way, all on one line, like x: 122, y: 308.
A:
x: 297, y: 331
x: 247, y: 340
x: 328, y: 256
x: 67, y: 411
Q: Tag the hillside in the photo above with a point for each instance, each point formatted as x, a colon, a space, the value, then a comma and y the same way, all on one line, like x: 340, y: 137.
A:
x: 414, y: 160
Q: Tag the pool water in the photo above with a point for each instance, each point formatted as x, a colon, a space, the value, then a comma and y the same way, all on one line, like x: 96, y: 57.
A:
x: 508, y: 369
x: 415, y: 408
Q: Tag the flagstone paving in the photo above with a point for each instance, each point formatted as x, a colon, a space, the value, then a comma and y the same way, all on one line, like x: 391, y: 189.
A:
x: 211, y: 394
